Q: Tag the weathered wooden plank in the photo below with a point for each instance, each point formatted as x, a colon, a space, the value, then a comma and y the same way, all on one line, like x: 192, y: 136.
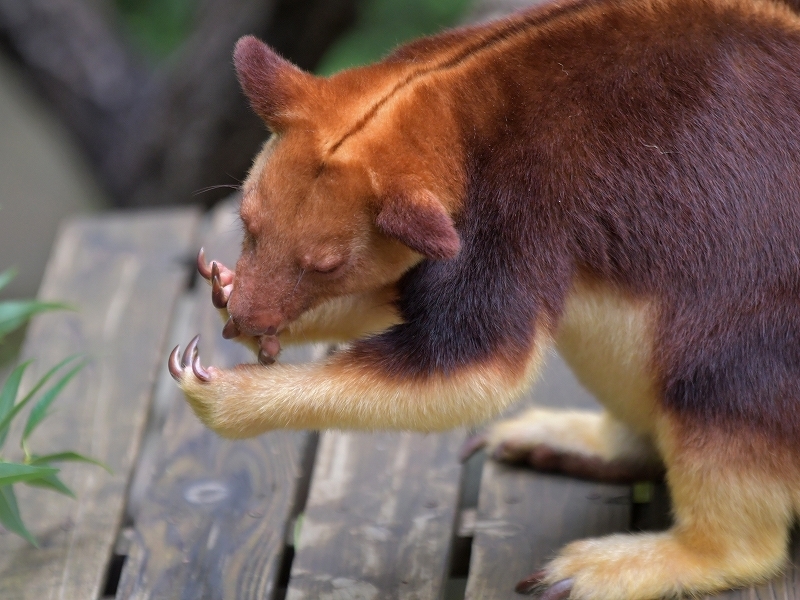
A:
x: 123, y: 273
x: 524, y: 517
x: 379, y: 519
x: 213, y: 523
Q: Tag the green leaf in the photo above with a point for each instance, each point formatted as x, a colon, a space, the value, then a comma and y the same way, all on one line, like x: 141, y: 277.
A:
x: 5, y: 421
x: 67, y: 456
x: 52, y: 482
x: 14, y: 472
x: 7, y: 396
x: 39, y: 410
x: 15, y: 313
x: 10, y: 517
x: 6, y: 277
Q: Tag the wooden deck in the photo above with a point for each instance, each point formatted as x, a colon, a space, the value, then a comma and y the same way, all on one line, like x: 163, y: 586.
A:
x: 287, y: 515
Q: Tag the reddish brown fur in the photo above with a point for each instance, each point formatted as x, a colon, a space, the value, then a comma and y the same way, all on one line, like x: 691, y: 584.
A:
x: 651, y: 146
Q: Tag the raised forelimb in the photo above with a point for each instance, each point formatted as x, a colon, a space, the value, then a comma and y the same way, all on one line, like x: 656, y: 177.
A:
x: 346, y: 391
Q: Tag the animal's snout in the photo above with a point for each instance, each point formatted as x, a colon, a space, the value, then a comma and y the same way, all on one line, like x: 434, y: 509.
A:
x: 258, y: 323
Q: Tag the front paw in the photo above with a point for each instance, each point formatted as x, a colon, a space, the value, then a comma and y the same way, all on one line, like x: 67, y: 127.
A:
x: 208, y: 390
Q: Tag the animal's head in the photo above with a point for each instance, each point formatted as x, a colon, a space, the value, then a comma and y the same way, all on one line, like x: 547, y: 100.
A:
x: 356, y: 185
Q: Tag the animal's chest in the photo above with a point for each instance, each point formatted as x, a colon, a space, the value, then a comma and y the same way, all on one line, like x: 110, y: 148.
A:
x: 607, y: 341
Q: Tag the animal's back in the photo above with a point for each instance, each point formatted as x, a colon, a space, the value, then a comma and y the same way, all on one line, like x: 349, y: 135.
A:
x: 618, y: 175
x: 661, y: 156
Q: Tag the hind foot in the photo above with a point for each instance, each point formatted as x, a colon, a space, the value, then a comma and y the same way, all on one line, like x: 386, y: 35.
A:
x: 577, y: 443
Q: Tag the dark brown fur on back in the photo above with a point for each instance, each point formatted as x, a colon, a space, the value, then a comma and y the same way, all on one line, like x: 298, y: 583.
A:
x: 652, y: 145
x: 620, y: 178
x: 662, y: 158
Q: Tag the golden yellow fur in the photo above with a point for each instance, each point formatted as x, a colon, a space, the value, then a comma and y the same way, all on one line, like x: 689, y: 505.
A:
x: 731, y: 524
x: 334, y: 394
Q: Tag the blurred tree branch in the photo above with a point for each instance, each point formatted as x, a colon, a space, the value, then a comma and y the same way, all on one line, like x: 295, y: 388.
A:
x: 158, y: 135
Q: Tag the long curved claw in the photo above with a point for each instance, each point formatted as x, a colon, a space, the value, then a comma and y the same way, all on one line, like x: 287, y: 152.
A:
x: 531, y: 583
x: 230, y: 330
x: 199, y: 371
x: 471, y: 446
x: 191, y: 349
x: 219, y: 297
x: 202, y: 265
x: 558, y: 591
x: 174, y: 364
x: 178, y: 365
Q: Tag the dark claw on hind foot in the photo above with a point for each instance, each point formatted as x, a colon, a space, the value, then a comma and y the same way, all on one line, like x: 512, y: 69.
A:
x: 558, y: 591
x: 530, y: 583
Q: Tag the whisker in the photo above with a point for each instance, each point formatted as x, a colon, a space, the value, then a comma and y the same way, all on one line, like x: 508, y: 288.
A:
x: 303, y: 272
x: 216, y: 187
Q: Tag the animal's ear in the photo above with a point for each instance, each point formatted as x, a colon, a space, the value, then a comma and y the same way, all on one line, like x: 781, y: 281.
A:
x: 420, y: 222
x: 271, y: 83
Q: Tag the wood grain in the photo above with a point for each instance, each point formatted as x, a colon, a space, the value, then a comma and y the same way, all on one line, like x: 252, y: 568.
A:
x: 122, y: 273
x: 524, y: 517
x: 380, y: 517
x: 213, y: 523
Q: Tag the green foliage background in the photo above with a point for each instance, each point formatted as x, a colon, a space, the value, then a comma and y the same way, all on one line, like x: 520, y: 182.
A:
x: 384, y: 24
x: 159, y: 26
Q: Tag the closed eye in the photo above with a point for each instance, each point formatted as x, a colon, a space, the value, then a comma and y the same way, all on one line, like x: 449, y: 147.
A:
x: 323, y: 265
x: 327, y: 270
x: 330, y: 267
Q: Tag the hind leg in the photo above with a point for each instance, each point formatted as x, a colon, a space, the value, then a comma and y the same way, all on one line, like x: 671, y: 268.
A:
x: 578, y: 443
x: 733, y: 509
